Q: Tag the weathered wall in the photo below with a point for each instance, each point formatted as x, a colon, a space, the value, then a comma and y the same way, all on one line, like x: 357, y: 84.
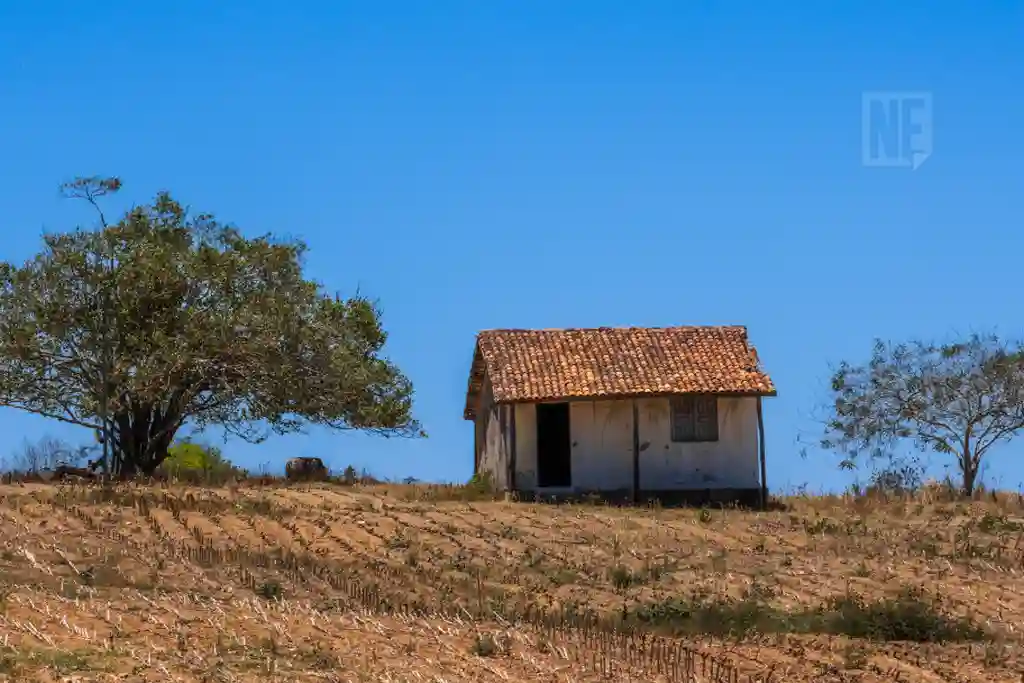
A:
x: 730, y: 463
x: 602, y: 447
x: 492, y: 438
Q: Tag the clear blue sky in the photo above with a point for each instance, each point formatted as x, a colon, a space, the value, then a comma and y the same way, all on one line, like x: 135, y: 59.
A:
x: 537, y: 164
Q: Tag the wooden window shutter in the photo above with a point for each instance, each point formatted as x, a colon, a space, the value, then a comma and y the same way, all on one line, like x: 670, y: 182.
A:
x: 683, y: 419
x: 706, y: 422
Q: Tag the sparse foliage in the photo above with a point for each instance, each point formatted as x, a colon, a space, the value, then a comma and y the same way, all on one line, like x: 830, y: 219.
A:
x: 958, y: 399
x: 168, y: 317
x: 46, y: 454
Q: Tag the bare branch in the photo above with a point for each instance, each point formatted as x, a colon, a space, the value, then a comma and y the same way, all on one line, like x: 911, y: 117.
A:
x: 91, y: 189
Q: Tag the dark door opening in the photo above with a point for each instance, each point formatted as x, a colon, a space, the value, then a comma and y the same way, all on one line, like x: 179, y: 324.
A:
x: 554, y: 447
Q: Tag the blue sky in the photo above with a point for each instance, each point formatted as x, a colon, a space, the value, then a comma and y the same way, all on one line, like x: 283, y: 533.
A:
x: 534, y: 164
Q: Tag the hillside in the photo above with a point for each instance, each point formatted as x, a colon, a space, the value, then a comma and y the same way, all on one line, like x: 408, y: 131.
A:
x: 403, y: 583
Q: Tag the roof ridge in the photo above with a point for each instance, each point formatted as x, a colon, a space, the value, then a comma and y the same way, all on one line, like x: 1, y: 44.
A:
x: 616, y: 327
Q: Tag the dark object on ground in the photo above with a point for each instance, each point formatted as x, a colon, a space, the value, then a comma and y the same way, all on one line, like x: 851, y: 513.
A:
x: 308, y: 469
x: 88, y: 472
x: 64, y: 471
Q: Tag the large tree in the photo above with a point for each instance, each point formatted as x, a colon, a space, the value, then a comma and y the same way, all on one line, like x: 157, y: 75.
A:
x: 164, y: 318
x: 958, y: 399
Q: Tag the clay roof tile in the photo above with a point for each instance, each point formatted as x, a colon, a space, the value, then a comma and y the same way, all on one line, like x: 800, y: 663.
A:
x: 605, y: 362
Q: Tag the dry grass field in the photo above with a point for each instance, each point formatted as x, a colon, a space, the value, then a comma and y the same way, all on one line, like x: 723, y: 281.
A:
x: 322, y: 582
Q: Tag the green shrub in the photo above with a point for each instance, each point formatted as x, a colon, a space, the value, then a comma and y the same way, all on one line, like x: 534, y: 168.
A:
x: 910, y: 616
x: 481, y: 483
x: 199, y: 462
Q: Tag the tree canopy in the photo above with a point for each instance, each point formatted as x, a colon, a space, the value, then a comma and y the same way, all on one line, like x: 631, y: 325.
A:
x: 958, y: 399
x: 166, y: 317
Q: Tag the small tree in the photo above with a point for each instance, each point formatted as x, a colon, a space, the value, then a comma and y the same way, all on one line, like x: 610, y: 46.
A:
x: 958, y: 399
x: 896, y: 477
x: 167, y: 318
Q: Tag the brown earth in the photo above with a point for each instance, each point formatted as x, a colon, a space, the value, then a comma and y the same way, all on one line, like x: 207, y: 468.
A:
x: 319, y: 582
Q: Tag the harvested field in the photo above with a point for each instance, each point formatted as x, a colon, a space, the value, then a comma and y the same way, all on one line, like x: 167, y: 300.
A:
x: 319, y: 582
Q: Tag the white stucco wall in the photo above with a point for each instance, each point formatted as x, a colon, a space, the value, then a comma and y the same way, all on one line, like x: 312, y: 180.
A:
x: 602, y: 447
x: 730, y: 462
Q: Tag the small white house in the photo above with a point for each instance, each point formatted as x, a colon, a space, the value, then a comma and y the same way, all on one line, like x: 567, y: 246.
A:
x: 668, y: 413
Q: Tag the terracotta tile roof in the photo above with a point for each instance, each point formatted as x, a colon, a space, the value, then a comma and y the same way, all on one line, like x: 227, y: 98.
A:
x: 534, y: 365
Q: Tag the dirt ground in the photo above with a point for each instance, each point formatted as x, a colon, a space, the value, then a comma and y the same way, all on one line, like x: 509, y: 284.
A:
x: 194, y: 584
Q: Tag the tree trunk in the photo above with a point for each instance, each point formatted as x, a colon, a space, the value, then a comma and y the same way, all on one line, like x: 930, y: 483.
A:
x: 143, y: 439
x: 969, y: 470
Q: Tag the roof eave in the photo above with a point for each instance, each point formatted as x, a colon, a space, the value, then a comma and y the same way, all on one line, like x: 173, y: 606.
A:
x: 615, y: 397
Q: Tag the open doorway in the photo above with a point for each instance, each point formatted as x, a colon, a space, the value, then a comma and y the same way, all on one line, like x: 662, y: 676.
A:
x: 554, y: 445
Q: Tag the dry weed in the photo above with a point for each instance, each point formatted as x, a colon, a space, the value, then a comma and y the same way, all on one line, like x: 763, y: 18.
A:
x: 404, y: 583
